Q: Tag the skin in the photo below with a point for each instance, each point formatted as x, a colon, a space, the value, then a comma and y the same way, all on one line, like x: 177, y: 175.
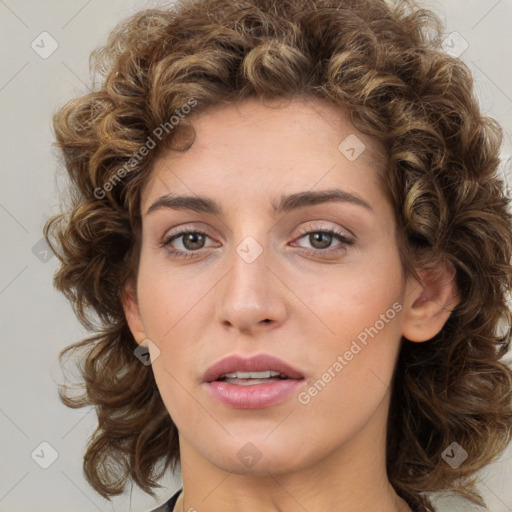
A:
x: 295, y: 301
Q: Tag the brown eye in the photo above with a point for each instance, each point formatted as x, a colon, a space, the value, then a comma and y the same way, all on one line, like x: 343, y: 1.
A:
x: 320, y: 239
x: 186, y: 243
x: 193, y: 241
x: 324, y: 242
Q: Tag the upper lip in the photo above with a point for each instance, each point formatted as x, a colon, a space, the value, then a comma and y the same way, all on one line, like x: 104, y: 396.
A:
x: 256, y: 363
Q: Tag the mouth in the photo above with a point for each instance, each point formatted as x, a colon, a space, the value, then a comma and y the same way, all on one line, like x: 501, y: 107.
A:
x: 252, y: 383
x: 243, y: 371
x: 252, y: 378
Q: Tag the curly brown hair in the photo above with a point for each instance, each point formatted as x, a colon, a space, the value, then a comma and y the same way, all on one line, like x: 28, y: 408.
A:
x: 383, y: 62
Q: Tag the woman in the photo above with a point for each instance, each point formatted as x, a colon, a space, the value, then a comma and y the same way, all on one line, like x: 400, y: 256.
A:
x: 290, y: 240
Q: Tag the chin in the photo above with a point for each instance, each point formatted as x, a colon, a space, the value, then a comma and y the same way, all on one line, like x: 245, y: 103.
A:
x: 254, y: 455
x: 274, y: 464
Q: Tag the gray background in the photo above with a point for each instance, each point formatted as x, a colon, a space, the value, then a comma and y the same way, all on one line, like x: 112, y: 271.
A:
x: 36, y: 322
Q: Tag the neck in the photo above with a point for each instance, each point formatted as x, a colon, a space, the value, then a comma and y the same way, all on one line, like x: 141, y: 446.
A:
x: 351, y: 477
x: 277, y: 495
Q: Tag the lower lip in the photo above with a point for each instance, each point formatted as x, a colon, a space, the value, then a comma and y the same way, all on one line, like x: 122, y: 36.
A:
x: 257, y: 396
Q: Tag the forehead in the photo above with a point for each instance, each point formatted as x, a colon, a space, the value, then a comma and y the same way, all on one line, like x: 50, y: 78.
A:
x: 313, y: 118
x: 277, y: 140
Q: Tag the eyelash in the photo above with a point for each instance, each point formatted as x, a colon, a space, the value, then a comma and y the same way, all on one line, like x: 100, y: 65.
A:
x: 177, y: 252
x: 344, y: 239
x: 189, y: 254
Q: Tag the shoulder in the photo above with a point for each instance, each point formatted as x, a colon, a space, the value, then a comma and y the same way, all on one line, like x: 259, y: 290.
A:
x: 161, y: 508
x: 455, y: 504
x: 168, y: 506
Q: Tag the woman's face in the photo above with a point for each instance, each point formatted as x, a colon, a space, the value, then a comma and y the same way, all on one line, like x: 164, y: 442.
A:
x: 269, y: 267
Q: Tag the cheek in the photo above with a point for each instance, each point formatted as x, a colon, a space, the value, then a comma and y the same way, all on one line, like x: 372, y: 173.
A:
x: 353, y: 369
x: 170, y: 304
x: 355, y: 297
x: 355, y: 354
x: 166, y: 297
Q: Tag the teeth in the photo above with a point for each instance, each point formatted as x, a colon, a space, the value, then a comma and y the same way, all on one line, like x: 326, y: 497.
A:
x: 246, y: 382
x: 252, y: 375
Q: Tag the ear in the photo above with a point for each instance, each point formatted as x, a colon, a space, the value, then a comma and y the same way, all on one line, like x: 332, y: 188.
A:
x: 132, y: 313
x: 429, y: 303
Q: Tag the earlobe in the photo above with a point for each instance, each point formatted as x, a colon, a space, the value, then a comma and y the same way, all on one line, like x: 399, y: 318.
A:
x: 429, y: 303
x: 132, y: 314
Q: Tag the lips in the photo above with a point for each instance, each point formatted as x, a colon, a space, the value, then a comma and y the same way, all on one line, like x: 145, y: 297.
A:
x: 251, y: 383
x: 259, y: 363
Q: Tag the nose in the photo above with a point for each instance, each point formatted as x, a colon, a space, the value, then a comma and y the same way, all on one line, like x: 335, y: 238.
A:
x: 251, y: 297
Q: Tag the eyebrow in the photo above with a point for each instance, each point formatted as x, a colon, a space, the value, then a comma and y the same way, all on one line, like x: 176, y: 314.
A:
x: 286, y: 203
